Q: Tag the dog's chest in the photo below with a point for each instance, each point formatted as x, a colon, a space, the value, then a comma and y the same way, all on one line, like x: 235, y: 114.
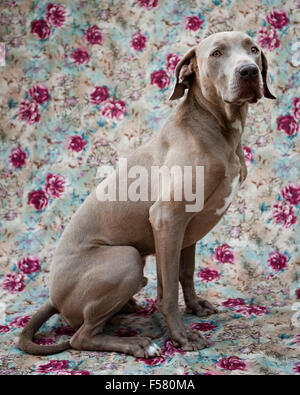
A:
x: 216, y: 205
x: 226, y: 192
x: 213, y: 210
x: 230, y: 193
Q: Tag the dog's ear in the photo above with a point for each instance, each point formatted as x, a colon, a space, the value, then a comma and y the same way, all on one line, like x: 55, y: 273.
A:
x: 264, y: 74
x: 184, y: 74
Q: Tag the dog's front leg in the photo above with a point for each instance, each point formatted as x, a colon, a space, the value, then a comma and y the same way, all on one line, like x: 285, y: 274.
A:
x: 169, y: 226
x: 243, y: 171
x: 194, y: 303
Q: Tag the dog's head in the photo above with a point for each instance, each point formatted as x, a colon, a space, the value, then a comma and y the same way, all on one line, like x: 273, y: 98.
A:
x: 227, y: 66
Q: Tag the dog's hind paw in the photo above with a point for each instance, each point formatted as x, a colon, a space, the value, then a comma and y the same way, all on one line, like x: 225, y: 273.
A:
x: 143, y: 347
x: 154, y: 350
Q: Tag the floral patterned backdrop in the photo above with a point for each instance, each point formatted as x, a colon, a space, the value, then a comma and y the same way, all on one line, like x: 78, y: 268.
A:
x: 84, y: 83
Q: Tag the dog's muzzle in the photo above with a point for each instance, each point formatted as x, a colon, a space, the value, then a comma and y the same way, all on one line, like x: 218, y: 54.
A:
x: 248, y: 77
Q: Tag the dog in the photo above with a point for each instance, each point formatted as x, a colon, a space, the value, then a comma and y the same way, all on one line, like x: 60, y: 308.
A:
x: 98, y: 264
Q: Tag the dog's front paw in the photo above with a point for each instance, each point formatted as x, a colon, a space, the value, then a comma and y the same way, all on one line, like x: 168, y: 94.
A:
x: 201, y: 308
x: 191, y: 341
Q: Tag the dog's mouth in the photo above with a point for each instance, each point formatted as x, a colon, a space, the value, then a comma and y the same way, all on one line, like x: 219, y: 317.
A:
x: 244, y: 91
x: 249, y: 95
x: 254, y: 100
x: 239, y: 101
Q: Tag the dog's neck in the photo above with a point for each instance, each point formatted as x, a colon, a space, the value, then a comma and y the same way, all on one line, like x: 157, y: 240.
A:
x: 230, y: 118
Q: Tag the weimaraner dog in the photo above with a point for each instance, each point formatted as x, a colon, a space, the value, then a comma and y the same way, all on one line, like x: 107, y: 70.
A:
x: 99, y: 262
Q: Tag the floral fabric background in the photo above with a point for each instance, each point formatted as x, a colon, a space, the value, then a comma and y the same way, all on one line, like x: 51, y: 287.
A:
x: 84, y: 83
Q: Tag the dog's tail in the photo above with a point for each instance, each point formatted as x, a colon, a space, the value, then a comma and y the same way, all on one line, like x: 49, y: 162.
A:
x: 26, y: 343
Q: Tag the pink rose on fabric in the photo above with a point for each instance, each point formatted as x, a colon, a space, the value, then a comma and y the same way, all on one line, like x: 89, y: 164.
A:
x: 41, y: 29
x: 203, y: 326
x: 61, y: 373
x: 277, y: 261
x: 53, y: 365
x: 17, y: 157
x: 208, y: 275
x: 172, y: 60
x: 38, y: 199
x: 76, y: 143
x: 193, y: 23
x: 245, y: 310
x: 152, y: 361
x: 20, y: 322
x: 80, y: 56
x: 169, y: 350
x: 297, y: 367
x: 138, y: 41
x: 126, y: 332
x: 248, y: 154
x: 94, y: 35
x: 80, y: 373
x: 233, y: 302
x: 160, y: 78
x: 283, y: 214
x: 288, y: 125
x: 99, y: 94
x: 213, y: 374
x: 267, y: 38
x: 150, y: 308
x: 13, y: 282
x: 224, y: 254
x: 291, y: 193
x: 55, y: 185
x: 39, y: 93
x: 248, y: 310
x: 232, y: 363
x: 113, y: 110
x: 44, y: 341
x: 56, y: 14
x: 4, y: 329
x: 29, y: 112
x: 64, y: 330
x: 148, y: 4
x: 277, y: 19
x: 259, y: 310
x: 29, y: 265
x: 296, y: 107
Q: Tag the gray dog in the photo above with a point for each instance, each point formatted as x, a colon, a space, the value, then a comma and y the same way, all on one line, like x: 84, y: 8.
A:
x: 99, y: 262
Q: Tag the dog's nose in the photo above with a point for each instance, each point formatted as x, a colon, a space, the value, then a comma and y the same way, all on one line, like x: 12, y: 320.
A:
x: 248, y: 71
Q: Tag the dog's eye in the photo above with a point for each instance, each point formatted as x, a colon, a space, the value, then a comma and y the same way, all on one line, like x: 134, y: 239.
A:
x: 254, y: 50
x: 216, y: 53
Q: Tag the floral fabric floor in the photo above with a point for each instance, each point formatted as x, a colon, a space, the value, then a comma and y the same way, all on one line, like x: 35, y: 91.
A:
x: 84, y: 83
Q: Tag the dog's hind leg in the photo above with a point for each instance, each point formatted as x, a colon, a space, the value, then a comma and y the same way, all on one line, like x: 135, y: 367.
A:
x: 87, y: 338
x: 107, y: 294
x: 131, y: 306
